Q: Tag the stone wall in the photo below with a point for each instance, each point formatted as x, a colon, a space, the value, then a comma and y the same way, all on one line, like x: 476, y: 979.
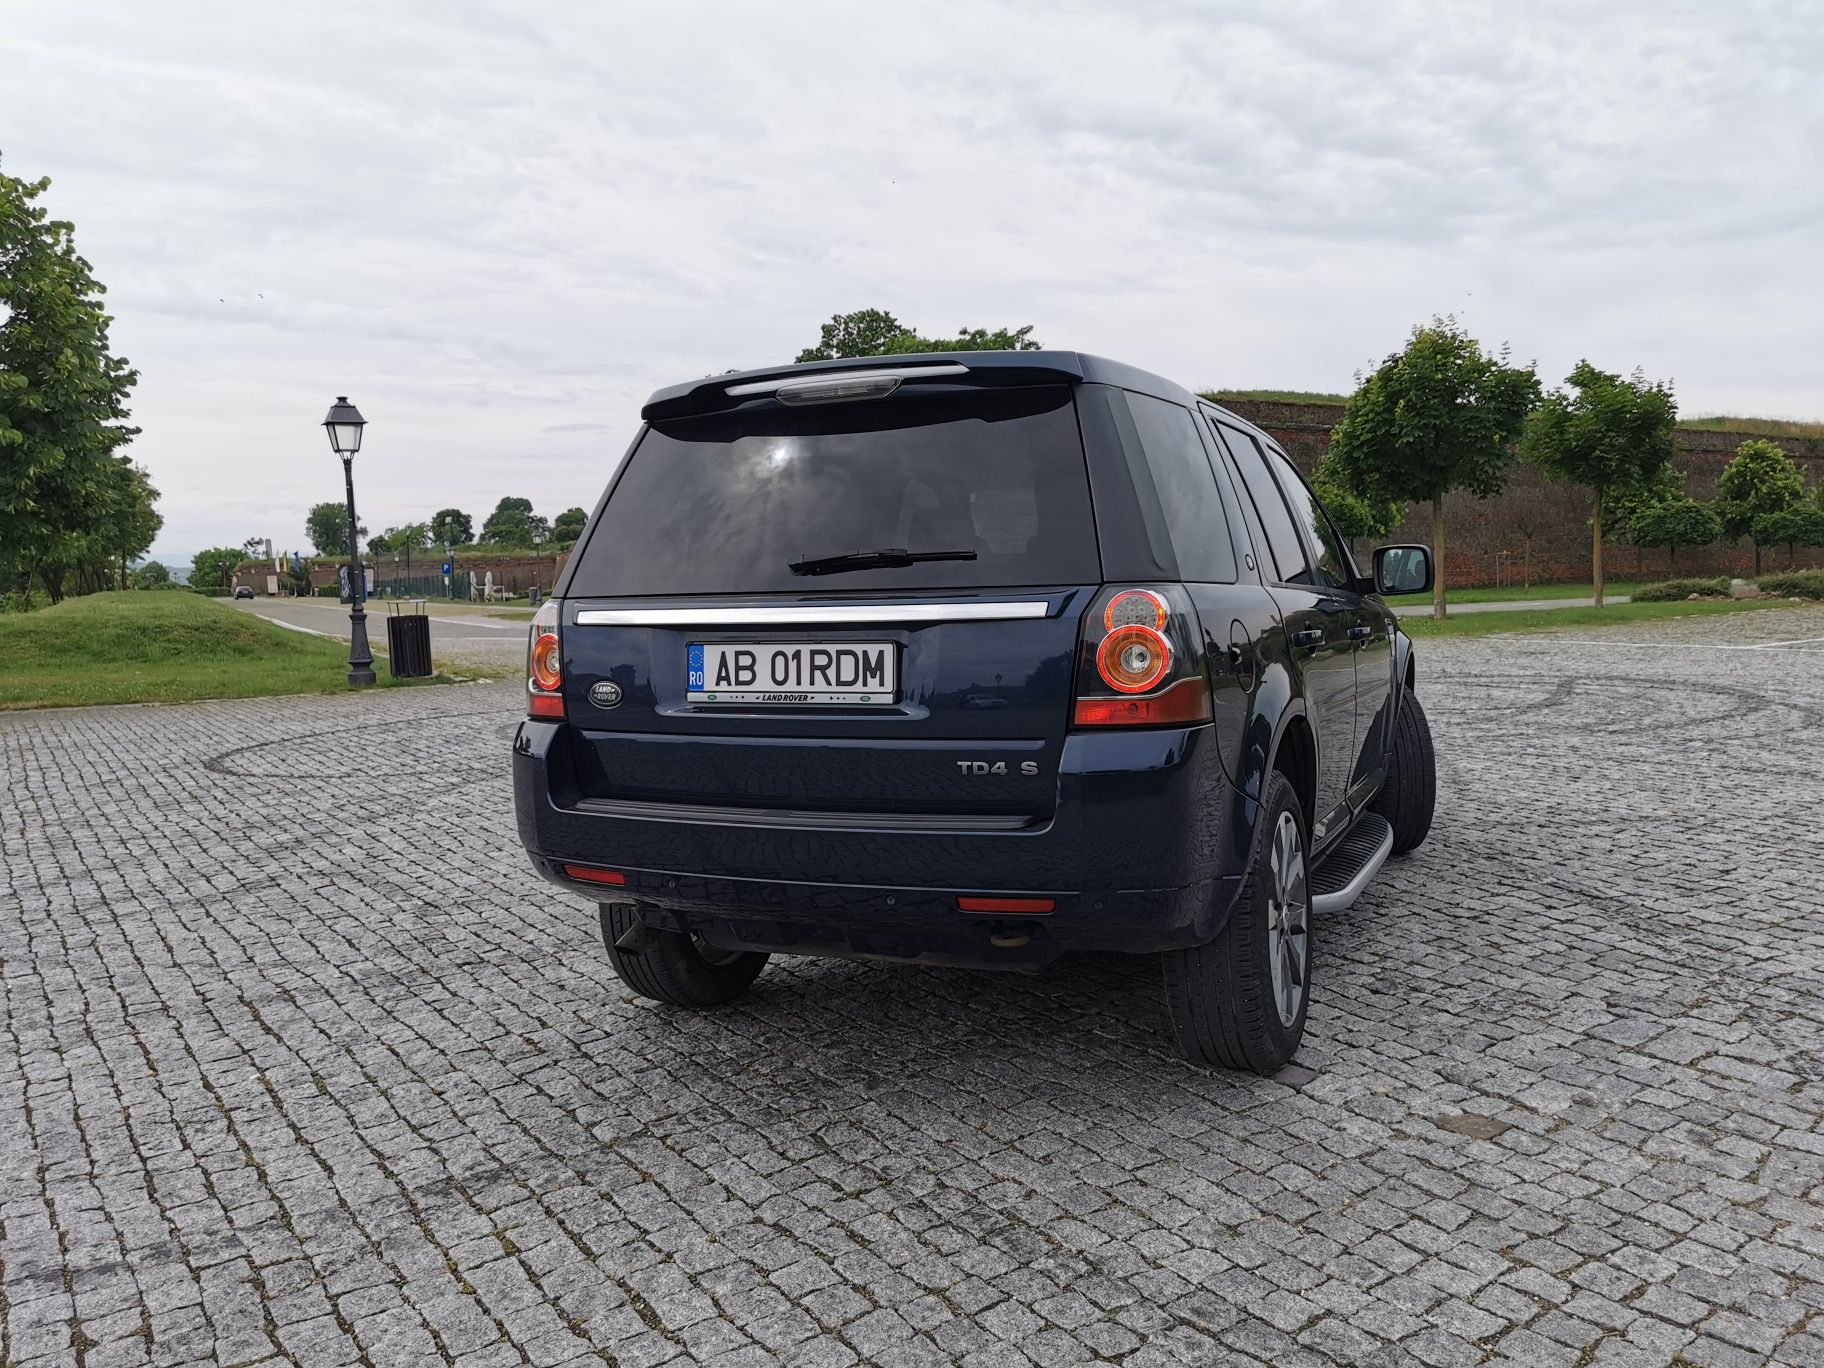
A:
x: 513, y: 573
x: 1537, y: 531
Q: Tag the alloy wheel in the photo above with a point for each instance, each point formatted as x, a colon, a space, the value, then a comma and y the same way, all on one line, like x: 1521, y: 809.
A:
x: 1288, y: 919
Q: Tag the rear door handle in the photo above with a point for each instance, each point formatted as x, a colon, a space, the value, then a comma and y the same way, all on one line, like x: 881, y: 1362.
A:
x: 1311, y: 636
x: 1362, y: 633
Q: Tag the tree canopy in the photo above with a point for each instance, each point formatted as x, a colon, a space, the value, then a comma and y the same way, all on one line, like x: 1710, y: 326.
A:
x: 214, y: 568
x: 510, y: 524
x: 327, y: 527
x: 567, y: 526
x: 1760, y: 479
x: 1800, y: 525
x: 451, y: 527
x: 1356, y: 514
x: 1606, y: 432
x: 1672, y: 523
x: 875, y: 332
x: 1436, y: 416
x: 63, y: 405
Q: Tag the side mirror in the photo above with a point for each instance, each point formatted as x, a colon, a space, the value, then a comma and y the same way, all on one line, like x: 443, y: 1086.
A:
x: 1402, y: 570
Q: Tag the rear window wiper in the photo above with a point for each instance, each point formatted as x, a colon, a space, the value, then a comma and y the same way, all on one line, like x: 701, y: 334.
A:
x: 887, y: 557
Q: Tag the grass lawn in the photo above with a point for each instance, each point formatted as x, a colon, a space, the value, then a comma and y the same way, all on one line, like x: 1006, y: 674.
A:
x: 1759, y: 427
x: 1514, y: 593
x: 1535, y: 619
x: 153, y: 647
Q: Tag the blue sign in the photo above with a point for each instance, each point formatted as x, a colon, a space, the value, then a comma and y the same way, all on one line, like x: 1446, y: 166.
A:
x: 446, y: 567
x: 694, y: 671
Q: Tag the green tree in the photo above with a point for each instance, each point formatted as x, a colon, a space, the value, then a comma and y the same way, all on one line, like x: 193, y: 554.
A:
x: 151, y: 575
x: 416, y: 535
x: 875, y: 332
x: 567, y: 526
x: 510, y: 524
x: 1439, y: 415
x: 1606, y: 433
x: 867, y: 332
x: 969, y: 339
x: 1673, y: 523
x: 133, y: 522
x: 1760, y: 479
x: 1800, y: 525
x: 63, y: 397
x: 1356, y: 515
x: 451, y: 527
x: 214, y: 568
x: 327, y: 527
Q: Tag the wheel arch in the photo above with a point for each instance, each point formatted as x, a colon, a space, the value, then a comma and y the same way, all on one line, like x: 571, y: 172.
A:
x: 1405, y: 662
x: 1280, y: 737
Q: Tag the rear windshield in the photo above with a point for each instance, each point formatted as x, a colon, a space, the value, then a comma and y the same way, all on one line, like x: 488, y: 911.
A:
x: 723, y: 504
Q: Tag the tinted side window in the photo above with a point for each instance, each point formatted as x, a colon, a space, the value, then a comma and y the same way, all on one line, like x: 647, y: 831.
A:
x: 1282, y: 538
x: 1333, y: 566
x: 1187, y: 489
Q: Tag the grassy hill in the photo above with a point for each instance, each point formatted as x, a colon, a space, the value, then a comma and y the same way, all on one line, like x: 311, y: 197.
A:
x: 159, y: 647
x: 1717, y: 422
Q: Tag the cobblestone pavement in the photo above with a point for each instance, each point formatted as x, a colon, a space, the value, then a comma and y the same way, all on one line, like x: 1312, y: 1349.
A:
x: 298, y: 1064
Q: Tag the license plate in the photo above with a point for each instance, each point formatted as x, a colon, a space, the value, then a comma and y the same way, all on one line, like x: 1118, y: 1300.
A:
x: 793, y: 672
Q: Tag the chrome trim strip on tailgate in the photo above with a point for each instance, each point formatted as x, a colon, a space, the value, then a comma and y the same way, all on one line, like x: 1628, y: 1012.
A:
x: 821, y: 615
x: 807, y: 818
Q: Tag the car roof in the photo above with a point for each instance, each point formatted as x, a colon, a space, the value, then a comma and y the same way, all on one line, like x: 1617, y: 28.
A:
x: 989, y: 367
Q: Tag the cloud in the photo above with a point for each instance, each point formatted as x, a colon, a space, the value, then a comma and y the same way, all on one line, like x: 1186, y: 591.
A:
x: 499, y: 227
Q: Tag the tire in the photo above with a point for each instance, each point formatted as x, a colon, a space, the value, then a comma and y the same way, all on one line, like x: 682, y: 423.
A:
x: 668, y: 967
x: 1410, y: 794
x: 1228, y: 1006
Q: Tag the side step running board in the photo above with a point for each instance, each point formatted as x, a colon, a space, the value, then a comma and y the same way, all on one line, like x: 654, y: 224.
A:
x: 1339, y: 880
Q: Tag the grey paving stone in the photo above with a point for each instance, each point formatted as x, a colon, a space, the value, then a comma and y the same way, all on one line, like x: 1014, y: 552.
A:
x: 299, y: 1062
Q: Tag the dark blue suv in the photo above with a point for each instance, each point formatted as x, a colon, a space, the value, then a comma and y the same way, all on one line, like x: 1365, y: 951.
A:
x: 971, y: 659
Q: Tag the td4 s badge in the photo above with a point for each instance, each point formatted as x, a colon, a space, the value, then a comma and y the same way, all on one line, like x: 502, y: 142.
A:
x: 973, y: 767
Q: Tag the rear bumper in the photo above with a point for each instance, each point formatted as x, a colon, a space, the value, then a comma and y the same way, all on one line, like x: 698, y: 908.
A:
x: 1144, y: 852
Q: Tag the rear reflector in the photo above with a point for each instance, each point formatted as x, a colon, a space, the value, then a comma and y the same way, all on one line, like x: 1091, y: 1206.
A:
x: 1007, y: 904
x: 1186, y: 701
x: 601, y: 876
x: 545, y: 704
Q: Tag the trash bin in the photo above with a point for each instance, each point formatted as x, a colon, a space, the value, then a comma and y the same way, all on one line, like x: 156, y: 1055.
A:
x: 408, y: 640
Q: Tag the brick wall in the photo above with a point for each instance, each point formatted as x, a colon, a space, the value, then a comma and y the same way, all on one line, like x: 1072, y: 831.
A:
x: 1541, y: 530
x: 513, y: 573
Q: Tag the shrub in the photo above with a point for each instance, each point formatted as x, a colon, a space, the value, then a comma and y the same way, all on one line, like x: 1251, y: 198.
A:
x: 1794, y: 584
x: 1677, y: 590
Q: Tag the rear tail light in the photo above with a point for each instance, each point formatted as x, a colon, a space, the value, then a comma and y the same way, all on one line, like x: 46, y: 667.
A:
x: 1141, y: 663
x: 545, y: 664
x: 1133, y: 659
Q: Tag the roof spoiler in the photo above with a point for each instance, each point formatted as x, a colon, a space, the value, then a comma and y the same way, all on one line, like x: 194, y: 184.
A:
x: 859, y: 377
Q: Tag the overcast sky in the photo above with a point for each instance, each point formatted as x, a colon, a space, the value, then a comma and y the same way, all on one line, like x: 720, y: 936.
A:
x: 498, y: 227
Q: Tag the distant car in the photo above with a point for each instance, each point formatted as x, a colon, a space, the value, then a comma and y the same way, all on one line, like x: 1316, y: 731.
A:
x: 243, y: 591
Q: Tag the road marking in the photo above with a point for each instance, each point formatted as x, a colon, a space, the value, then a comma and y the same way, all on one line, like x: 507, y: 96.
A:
x: 483, y: 622
x: 1783, y: 645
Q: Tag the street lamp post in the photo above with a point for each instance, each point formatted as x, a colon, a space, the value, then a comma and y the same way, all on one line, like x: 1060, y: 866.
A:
x: 538, y: 543
x: 344, y: 425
